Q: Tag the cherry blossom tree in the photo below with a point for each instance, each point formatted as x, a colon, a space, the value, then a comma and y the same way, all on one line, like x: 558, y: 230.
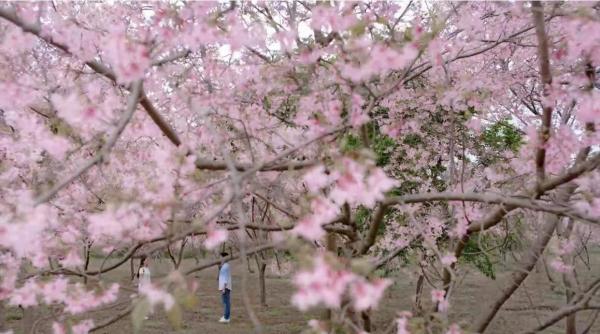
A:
x: 442, y: 132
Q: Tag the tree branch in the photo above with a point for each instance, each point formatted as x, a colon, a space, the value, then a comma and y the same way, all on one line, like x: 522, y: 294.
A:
x: 546, y: 76
x: 97, y: 67
x: 283, y: 166
x: 104, y: 151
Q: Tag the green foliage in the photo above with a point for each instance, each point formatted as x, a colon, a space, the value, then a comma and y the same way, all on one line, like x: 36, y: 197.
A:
x: 502, y: 135
x: 361, y: 215
x: 381, y: 144
x: 350, y: 143
x: 413, y: 139
x: 473, y: 254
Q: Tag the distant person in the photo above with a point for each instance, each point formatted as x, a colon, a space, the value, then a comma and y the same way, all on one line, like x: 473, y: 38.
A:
x: 143, y: 275
x: 225, y: 287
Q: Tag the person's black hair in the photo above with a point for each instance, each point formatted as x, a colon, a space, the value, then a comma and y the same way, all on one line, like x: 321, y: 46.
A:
x: 224, y: 254
x: 142, y: 259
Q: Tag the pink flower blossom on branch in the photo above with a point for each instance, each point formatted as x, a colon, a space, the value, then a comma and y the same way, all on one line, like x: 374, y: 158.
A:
x: 214, y: 237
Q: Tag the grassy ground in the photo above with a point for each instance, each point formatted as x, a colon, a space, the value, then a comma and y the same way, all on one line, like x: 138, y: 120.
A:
x: 280, y: 317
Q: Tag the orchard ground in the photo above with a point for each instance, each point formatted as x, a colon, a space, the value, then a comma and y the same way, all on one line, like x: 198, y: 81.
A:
x: 281, y: 317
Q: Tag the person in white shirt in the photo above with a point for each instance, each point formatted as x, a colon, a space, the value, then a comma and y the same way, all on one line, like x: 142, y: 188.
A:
x: 143, y: 275
x: 225, y: 288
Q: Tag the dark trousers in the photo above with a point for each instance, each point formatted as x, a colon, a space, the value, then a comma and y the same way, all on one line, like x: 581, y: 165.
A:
x: 226, y: 299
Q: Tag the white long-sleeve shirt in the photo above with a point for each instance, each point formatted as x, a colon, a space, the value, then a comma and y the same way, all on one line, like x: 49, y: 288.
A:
x: 224, y: 277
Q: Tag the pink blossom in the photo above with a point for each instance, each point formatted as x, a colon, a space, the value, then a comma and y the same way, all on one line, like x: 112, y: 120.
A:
x: 378, y: 183
x: 448, y: 259
x: 566, y: 247
x: 55, y: 291
x: 58, y: 328
x: 74, y: 108
x: 560, y: 266
x: 330, y: 17
x: 83, y: 327
x: 317, y: 326
x: 454, y: 329
x: 56, y: 146
x: 287, y: 39
x: 435, y: 52
x: 215, y: 237
x: 402, y: 324
x: 157, y: 296
x: 323, y: 212
x: 443, y: 305
x: 589, y: 111
x: 321, y: 285
x: 26, y: 295
x: 437, y: 295
x: 128, y: 59
x: 73, y: 259
x: 366, y: 295
x: 309, y: 228
x: 460, y: 229
x: 358, y: 116
x: 316, y: 178
x: 110, y: 295
x: 16, y: 42
x: 475, y: 124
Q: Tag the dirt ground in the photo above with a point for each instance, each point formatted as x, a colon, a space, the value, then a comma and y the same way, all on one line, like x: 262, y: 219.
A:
x: 280, y: 317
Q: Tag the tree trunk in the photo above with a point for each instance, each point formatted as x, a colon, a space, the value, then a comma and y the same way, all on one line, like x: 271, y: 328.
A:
x: 417, y: 308
x: 171, y: 257
x: 88, y: 247
x: 548, y: 274
x: 571, y: 319
x: 569, y: 280
x: 2, y: 316
x: 366, y: 317
x: 131, y: 267
x: 332, y: 247
x: 262, y: 266
x: 250, y: 267
x: 180, y: 255
x: 28, y: 320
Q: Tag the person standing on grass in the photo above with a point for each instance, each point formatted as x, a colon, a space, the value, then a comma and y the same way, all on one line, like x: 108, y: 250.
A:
x: 225, y: 287
x: 143, y: 275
